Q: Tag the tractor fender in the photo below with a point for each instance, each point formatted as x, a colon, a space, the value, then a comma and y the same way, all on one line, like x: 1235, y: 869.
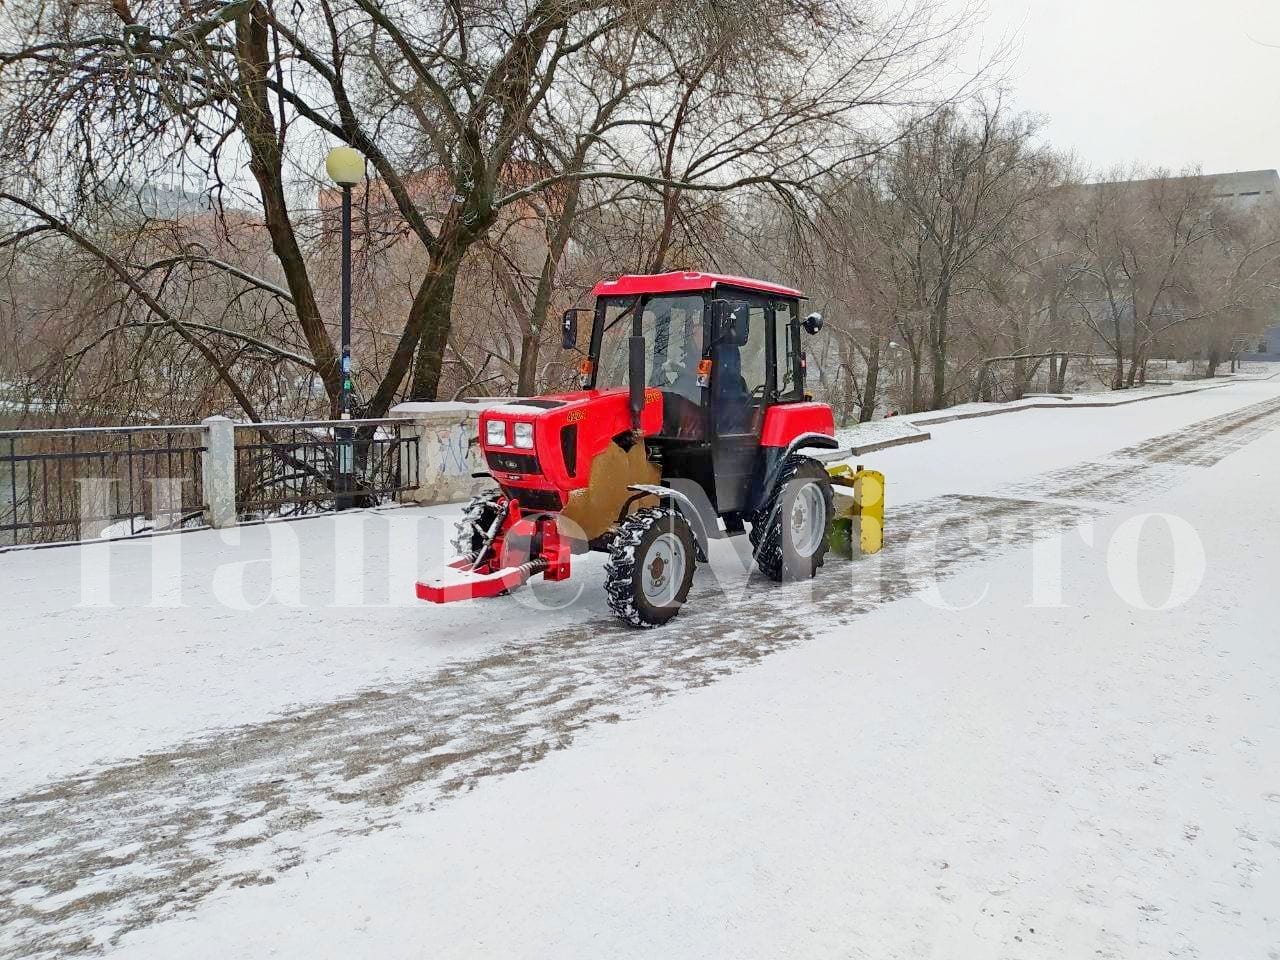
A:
x: 693, y: 505
x: 779, y: 457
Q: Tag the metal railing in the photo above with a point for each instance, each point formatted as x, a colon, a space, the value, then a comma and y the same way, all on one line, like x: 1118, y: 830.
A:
x: 99, y: 482
x: 69, y: 485
x: 293, y: 469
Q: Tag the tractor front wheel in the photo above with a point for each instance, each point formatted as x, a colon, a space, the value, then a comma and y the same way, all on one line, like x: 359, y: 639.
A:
x: 650, y: 568
x: 790, y: 531
x: 477, y: 519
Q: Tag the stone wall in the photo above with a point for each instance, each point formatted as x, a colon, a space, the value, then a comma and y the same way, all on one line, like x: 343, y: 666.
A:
x: 448, y: 449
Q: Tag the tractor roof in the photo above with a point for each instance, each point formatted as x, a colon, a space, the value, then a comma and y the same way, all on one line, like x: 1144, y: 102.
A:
x: 679, y: 281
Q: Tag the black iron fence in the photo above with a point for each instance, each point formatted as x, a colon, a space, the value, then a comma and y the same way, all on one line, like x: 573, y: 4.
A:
x: 293, y: 469
x: 98, y: 482
x: 60, y: 486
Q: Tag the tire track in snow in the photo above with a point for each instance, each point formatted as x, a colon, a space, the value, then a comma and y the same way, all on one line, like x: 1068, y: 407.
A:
x: 86, y: 859
x: 1205, y: 443
x: 1153, y: 466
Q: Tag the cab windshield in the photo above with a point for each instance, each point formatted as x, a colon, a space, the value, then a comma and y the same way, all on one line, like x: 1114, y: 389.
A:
x: 672, y: 326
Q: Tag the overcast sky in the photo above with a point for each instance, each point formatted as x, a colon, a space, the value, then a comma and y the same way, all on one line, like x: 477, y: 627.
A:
x: 1167, y: 83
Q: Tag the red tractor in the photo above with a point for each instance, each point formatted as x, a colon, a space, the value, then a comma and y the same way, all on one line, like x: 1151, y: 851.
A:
x: 692, y: 424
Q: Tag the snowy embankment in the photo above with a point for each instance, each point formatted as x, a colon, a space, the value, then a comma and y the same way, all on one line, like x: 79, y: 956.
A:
x: 894, y: 431
x: 1065, y: 401
x: 929, y: 754
x: 864, y: 438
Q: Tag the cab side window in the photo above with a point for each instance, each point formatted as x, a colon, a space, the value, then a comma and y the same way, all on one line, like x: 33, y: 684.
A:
x: 755, y: 352
x: 673, y: 332
x: 786, y: 349
x: 740, y: 369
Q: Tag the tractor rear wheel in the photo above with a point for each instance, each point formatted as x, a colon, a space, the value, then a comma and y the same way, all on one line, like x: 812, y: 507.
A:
x: 790, y: 531
x: 650, y: 568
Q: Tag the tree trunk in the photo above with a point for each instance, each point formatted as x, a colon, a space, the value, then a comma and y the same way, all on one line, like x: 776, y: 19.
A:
x: 916, y: 392
x: 1137, y: 353
x: 662, y: 245
x: 1019, y: 379
x: 938, y: 347
x: 531, y: 343
x: 1060, y: 334
x: 843, y: 390
x: 1060, y: 378
x: 530, y: 347
x: 435, y: 300
x: 1137, y: 358
x: 871, y: 386
x: 266, y: 165
x: 1021, y: 376
x: 939, y: 372
x: 529, y: 327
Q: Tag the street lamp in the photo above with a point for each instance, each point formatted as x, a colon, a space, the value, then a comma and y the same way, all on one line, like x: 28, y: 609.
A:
x: 345, y: 167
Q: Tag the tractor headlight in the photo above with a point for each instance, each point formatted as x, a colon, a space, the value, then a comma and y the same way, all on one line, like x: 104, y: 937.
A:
x: 524, y: 435
x: 495, y: 433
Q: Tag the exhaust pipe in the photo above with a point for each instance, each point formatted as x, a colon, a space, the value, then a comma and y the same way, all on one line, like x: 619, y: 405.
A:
x: 636, y: 378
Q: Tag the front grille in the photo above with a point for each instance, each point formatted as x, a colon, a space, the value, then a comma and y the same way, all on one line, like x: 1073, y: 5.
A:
x: 534, y: 499
x: 512, y: 462
x: 569, y: 448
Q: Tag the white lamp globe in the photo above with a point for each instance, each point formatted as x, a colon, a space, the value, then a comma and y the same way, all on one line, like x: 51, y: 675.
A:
x: 345, y: 166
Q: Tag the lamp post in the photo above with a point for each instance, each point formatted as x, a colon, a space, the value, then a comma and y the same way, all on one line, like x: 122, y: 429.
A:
x: 345, y: 167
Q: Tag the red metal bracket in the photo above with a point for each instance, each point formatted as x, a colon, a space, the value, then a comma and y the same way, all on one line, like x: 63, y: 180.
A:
x: 489, y: 580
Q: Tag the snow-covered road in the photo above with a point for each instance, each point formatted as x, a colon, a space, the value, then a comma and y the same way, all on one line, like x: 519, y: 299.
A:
x: 976, y: 733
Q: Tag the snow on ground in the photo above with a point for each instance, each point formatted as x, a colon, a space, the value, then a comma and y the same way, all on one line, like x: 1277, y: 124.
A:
x: 119, y: 648
x: 1087, y: 780
x: 985, y: 454
x: 826, y: 769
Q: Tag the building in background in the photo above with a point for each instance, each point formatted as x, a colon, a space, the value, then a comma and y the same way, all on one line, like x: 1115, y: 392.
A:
x: 1267, y: 346
x: 1252, y: 189
x: 1245, y: 191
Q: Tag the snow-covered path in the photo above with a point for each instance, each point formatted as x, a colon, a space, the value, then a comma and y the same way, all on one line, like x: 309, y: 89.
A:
x: 91, y: 850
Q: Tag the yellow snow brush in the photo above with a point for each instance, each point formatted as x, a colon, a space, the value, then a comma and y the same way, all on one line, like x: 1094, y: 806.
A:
x: 859, y: 510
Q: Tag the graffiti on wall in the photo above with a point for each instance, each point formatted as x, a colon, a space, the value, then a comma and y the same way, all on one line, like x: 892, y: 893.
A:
x: 453, y: 450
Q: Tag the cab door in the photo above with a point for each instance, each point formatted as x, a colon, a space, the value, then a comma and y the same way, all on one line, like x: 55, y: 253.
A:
x: 740, y: 393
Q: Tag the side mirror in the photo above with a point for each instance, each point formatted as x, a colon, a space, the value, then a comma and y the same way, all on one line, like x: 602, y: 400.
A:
x: 813, y: 323
x: 569, y: 329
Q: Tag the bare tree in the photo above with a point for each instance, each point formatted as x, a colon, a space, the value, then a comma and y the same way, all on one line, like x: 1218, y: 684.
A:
x: 470, y: 115
x: 1143, y: 243
x: 962, y: 181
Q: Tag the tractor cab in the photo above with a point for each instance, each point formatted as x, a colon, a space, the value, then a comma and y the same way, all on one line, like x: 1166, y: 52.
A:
x: 725, y: 355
